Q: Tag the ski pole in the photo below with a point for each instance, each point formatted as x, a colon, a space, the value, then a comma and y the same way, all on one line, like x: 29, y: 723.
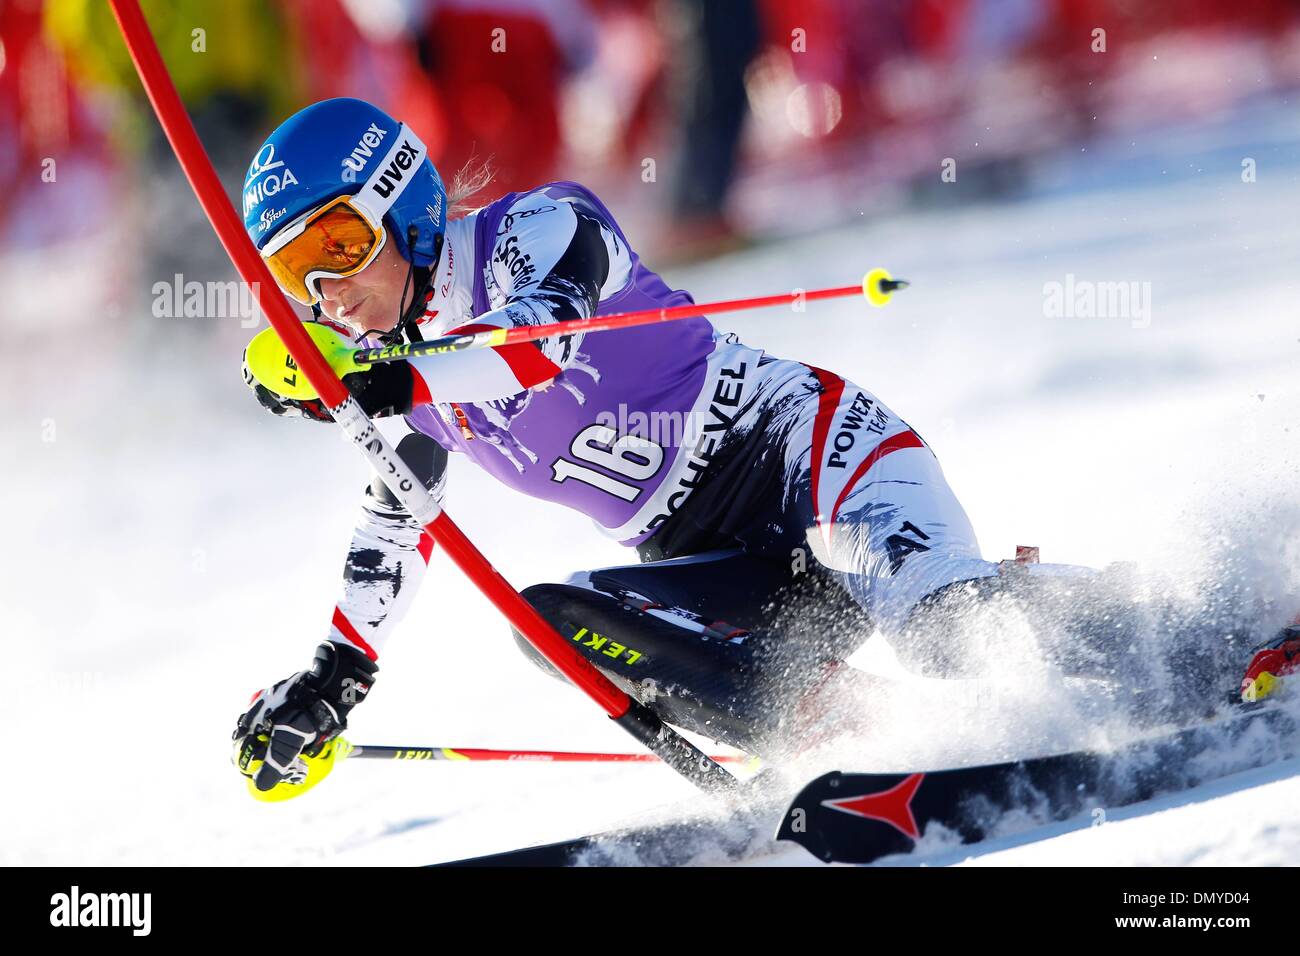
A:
x: 322, y: 764
x: 634, y: 717
x: 535, y: 756
x: 878, y: 286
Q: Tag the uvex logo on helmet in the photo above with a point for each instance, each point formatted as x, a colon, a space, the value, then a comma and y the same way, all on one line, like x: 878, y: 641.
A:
x: 257, y: 188
x: 407, y: 157
x: 356, y: 161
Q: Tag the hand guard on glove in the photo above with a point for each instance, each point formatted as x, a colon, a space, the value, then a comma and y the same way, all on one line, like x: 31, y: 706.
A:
x: 313, y: 410
x: 300, y: 714
x: 381, y: 390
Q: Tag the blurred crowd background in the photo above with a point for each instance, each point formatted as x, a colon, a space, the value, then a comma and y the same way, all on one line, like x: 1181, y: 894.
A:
x: 707, y: 124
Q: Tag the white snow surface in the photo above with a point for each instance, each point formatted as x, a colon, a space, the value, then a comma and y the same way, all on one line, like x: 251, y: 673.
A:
x: 171, y: 548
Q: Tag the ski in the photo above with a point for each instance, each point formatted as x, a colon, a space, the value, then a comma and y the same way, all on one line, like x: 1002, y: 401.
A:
x: 862, y: 817
x: 671, y: 844
x: 689, y: 834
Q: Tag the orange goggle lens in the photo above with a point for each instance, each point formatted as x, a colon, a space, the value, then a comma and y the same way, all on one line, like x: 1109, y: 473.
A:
x: 336, y: 241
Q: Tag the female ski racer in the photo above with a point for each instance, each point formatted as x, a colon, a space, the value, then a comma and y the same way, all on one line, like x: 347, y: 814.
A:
x: 780, y: 511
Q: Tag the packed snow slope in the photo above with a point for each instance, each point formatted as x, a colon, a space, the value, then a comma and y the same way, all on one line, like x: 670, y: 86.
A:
x: 170, y: 548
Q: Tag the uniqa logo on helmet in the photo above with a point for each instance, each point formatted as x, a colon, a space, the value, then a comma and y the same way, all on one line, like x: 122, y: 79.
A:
x: 257, y: 188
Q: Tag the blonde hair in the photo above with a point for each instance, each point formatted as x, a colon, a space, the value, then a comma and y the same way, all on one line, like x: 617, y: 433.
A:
x: 466, y: 183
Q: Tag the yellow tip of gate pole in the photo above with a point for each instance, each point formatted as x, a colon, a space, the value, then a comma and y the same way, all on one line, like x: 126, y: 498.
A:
x: 879, y: 286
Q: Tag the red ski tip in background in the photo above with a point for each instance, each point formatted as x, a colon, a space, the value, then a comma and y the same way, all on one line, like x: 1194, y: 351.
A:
x: 893, y: 806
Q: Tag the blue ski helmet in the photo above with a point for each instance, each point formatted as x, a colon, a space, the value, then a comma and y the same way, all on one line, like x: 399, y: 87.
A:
x: 348, y: 147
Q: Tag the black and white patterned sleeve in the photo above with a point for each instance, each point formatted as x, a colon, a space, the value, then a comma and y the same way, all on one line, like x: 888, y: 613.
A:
x: 388, y: 554
x: 552, y: 261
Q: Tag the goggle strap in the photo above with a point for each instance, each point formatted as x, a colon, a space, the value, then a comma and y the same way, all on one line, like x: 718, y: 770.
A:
x: 391, y: 176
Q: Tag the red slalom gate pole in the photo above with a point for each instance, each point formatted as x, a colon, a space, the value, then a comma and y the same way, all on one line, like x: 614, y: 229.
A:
x: 878, y: 285
x: 640, y: 721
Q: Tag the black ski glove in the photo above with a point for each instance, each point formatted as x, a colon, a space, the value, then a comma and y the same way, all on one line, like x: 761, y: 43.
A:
x: 387, y: 388
x: 301, y: 714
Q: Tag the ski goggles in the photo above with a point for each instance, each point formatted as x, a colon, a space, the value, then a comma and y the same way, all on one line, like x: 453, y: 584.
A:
x: 344, y: 235
x: 335, y: 241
